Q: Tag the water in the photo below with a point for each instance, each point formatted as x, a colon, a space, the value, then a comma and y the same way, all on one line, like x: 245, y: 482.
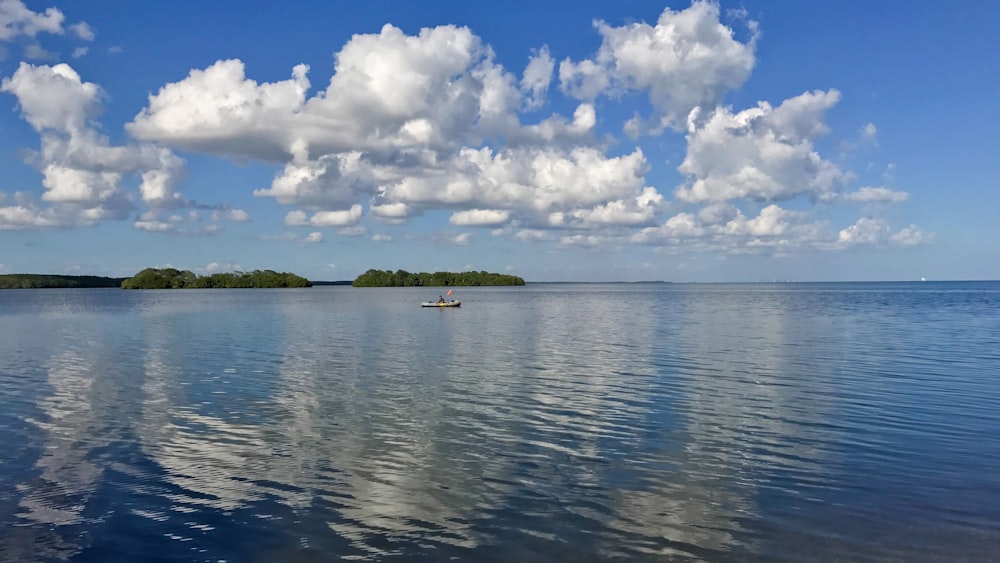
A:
x: 548, y: 422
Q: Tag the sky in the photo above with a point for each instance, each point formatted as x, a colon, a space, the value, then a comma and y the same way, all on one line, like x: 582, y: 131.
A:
x: 635, y: 140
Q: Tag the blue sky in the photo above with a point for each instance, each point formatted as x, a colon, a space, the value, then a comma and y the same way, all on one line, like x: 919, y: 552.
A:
x: 586, y: 141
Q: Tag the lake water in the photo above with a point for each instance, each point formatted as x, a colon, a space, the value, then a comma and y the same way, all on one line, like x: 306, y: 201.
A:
x: 794, y: 422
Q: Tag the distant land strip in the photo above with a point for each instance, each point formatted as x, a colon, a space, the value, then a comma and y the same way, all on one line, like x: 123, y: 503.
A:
x: 402, y: 278
x: 48, y: 281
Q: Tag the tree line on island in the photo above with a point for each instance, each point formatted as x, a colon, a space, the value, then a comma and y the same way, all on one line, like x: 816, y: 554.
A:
x: 47, y: 281
x: 402, y: 278
x: 172, y: 278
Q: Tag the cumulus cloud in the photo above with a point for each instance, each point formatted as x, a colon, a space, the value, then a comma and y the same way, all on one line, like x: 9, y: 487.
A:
x: 18, y: 20
x: 480, y: 217
x: 329, y: 180
x: 535, y: 186
x: 865, y: 231
x: 389, y: 92
x: 340, y: 218
x: 408, y: 125
x: 762, y: 153
x: 873, y: 231
x: 687, y: 60
x: 81, y: 170
x: 218, y: 110
x: 725, y: 228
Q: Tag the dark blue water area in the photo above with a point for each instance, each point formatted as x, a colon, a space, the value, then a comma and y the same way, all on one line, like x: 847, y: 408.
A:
x: 690, y: 422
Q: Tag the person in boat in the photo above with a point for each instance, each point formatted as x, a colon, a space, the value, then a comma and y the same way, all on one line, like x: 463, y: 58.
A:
x: 440, y: 299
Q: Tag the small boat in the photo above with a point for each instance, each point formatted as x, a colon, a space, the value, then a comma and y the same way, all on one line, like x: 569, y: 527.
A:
x: 452, y: 303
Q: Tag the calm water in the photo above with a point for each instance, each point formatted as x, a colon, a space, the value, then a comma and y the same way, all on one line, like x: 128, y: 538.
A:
x: 549, y: 422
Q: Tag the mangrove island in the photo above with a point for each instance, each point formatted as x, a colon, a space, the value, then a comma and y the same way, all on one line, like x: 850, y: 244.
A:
x: 402, y: 278
x: 172, y: 278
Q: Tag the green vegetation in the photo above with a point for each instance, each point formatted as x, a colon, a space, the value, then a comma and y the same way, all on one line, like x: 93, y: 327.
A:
x: 44, y: 281
x: 172, y: 278
x: 402, y: 278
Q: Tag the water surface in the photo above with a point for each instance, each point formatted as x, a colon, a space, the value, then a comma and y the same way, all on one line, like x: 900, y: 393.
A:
x: 548, y: 422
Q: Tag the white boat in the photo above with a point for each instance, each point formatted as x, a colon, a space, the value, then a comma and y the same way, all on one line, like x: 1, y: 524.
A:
x: 451, y: 303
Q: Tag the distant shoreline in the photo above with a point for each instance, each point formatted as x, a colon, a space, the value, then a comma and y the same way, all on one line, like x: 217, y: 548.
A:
x: 53, y: 281
x: 57, y: 281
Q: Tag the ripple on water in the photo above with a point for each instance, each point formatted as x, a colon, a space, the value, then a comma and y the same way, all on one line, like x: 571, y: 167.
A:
x: 807, y: 422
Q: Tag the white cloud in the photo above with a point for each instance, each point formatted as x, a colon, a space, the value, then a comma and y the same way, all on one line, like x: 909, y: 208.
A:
x: 869, y: 133
x: 80, y: 168
x: 17, y: 20
x: 460, y: 239
x: 232, y: 215
x: 381, y: 238
x: 213, y: 267
x: 412, y: 124
x: 537, y: 77
x: 874, y: 195
x: 762, y: 153
x: 540, y: 187
x: 390, y: 128
x: 83, y: 31
x: 536, y: 235
x: 353, y: 231
x: 16, y: 217
x: 592, y: 242
x: 25, y: 213
x: 910, y: 236
x: 480, y: 217
x: 340, y: 218
x: 219, y: 110
x: 865, y: 231
x: 180, y: 224
x: 80, y: 52
x: 390, y: 91
x: 54, y: 97
x: 155, y: 226
x: 315, y: 236
x: 391, y: 211
x: 680, y: 226
x: 875, y: 231
x: 686, y: 61
x: 724, y: 228
x: 329, y: 180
